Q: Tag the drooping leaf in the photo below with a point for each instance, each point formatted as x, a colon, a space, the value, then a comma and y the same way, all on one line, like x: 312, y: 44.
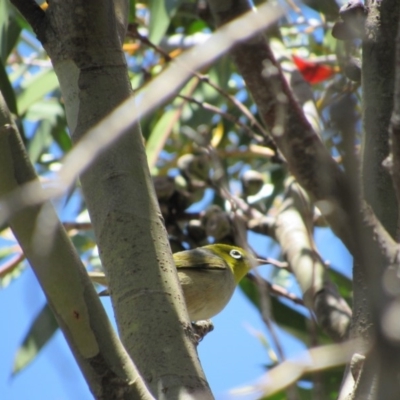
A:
x: 164, y: 126
x: 9, y: 30
x: 159, y: 135
x: 52, y: 126
x: 343, y: 283
x: 132, y: 11
x: 161, y: 12
x: 52, y: 111
x: 35, y: 88
x: 40, y: 141
x: 83, y: 242
x: 61, y: 136
x: 42, y: 329
x: 45, y: 109
x: 7, y: 90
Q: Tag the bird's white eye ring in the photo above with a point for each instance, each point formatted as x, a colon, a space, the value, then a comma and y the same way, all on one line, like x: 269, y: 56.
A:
x: 236, y: 254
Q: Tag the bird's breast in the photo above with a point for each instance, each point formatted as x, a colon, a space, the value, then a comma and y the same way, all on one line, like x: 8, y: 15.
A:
x: 206, y: 291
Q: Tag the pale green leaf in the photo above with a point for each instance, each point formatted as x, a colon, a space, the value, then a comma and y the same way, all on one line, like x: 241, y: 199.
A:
x: 159, y: 135
x: 161, y: 12
x: 40, y: 141
x: 46, y: 109
x: 40, y: 332
x: 9, y: 30
x: 7, y: 90
x: 36, y: 88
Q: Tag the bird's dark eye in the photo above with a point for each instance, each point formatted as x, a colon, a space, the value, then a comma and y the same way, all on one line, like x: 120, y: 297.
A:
x: 236, y: 254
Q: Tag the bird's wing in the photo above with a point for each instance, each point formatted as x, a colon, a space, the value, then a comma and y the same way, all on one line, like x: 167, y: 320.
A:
x: 200, y: 259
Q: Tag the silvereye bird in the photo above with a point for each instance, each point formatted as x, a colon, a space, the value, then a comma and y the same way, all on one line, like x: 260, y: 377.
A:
x: 208, y: 276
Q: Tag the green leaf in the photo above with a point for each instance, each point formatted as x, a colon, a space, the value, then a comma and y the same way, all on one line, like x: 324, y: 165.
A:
x: 344, y: 284
x: 41, y: 140
x: 9, y: 30
x: 196, y: 26
x: 40, y: 332
x: 36, y: 88
x: 164, y: 126
x: 51, y: 110
x: 223, y: 72
x: 52, y: 125
x: 23, y: 23
x: 132, y: 11
x: 84, y: 243
x: 7, y: 90
x: 45, y: 109
x: 161, y: 12
x: 159, y: 135
x: 276, y: 396
x: 61, y: 136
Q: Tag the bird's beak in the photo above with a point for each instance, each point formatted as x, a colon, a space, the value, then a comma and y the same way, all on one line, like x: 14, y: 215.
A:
x: 261, y: 261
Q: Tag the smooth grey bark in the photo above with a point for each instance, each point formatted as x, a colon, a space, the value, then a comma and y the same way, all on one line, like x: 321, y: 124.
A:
x: 306, y: 156
x: 103, y: 360
x: 308, y: 159
x: 293, y: 230
x: 379, y: 375
x: 82, y: 41
x: 378, y: 70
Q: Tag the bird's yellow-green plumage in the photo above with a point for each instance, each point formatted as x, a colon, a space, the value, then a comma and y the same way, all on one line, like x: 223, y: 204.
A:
x: 208, y: 276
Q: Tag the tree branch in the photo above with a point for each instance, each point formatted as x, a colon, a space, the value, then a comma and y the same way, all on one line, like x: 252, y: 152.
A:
x: 394, y: 157
x: 307, y: 157
x: 86, y: 53
x: 293, y: 231
x: 99, y: 353
x: 378, y: 83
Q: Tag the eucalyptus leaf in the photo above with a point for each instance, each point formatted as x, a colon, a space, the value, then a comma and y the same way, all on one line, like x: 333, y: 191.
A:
x: 7, y: 89
x: 161, y: 12
x: 40, y: 141
x: 344, y: 284
x: 9, y: 30
x: 35, y: 88
x: 40, y: 332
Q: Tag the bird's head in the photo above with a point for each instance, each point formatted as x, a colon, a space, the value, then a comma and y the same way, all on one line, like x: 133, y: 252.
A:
x: 238, y: 260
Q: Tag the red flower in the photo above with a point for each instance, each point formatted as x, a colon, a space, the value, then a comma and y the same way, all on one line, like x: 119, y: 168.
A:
x: 313, y: 72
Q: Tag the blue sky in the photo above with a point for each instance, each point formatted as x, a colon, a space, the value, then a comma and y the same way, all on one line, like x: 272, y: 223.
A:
x: 231, y: 355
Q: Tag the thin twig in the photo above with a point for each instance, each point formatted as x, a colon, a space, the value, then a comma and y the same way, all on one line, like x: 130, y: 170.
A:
x: 282, y: 292
x: 11, y: 264
x: 227, y: 116
x: 277, y: 263
x: 277, y: 290
x: 134, y: 33
x: 264, y: 292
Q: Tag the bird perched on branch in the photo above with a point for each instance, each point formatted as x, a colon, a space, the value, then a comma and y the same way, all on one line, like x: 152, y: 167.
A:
x: 208, y: 276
